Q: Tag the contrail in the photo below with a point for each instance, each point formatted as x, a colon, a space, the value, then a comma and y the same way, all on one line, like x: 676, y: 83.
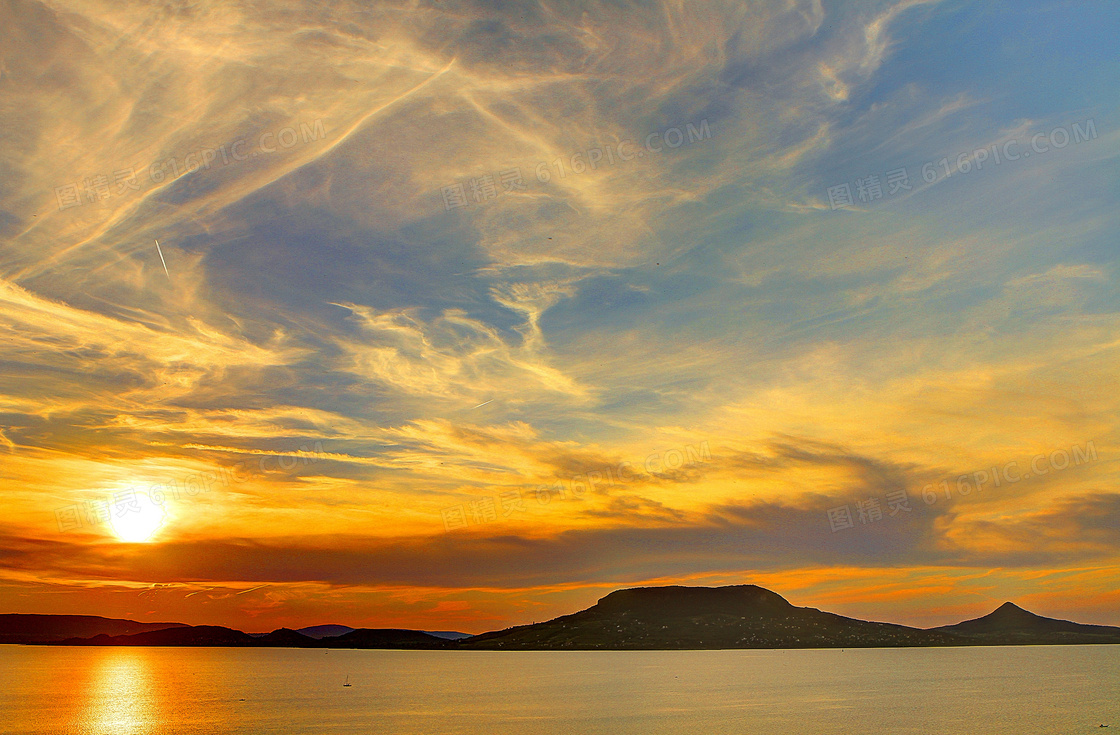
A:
x: 162, y: 260
x: 483, y: 404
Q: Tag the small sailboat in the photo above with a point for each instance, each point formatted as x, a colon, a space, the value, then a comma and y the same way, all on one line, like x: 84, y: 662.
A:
x: 347, y: 681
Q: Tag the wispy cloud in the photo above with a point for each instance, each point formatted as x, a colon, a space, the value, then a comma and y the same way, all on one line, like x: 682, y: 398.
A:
x: 628, y: 291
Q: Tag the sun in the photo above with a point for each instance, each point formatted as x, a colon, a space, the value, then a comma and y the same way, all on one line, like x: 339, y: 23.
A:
x: 138, y: 521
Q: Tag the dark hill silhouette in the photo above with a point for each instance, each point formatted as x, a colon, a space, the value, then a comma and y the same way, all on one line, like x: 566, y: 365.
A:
x: 194, y: 635
x: 386, y: 638
x: 675, y: 601
x: 324, y: 631
x: 23, y: 628
x: 286, y: 638
x: 743, y: 616
x: 212, y: 635
x: 451, y: 635
x: 1011, y: 624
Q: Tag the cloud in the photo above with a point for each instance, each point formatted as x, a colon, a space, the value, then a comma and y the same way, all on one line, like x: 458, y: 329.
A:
x: 452, y: 357
x: 565, y: 317
x: 1079, y: 527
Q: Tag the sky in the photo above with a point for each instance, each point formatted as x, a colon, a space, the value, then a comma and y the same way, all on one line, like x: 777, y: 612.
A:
x: 454, y: 315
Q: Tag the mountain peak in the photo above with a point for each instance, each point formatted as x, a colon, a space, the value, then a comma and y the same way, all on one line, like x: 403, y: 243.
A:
x: 1010, y: 610
x: 1010, y: 623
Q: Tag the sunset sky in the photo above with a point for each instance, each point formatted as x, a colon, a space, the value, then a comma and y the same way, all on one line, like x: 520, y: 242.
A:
x: 396, y: 320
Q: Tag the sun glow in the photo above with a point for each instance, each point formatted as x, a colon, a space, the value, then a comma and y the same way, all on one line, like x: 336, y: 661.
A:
x: 137, y: 521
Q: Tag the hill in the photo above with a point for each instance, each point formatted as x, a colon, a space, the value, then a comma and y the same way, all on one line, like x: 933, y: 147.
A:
x: 286, y: 638
x: 193, y: 635
x: 324, y: 631
x: 22, y: 628
x: 743, y: 616
x: 450, y: 635
x: 386, y: 638
x: 1010, y: 624
x: 213, y: 635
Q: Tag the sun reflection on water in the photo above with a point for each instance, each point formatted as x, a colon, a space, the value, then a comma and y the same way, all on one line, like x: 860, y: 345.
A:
x: 120, y: 699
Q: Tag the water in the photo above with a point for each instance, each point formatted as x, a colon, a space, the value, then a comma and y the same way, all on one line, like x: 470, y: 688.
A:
x: 187, y: 691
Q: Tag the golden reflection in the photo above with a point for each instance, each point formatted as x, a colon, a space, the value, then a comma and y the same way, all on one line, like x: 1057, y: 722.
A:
x: 120, y: 699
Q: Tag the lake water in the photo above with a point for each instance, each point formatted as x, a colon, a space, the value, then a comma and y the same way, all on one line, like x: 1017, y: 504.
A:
x: 183, y: 691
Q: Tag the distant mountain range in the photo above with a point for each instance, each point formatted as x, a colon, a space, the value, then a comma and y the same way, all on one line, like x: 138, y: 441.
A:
x: 331, y: 631
x: 450, y: 635
x: 325, y: 631
x: 652, y: 618
x: 213, y: 635
x: 747, y: 616
x: 17, y: 628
